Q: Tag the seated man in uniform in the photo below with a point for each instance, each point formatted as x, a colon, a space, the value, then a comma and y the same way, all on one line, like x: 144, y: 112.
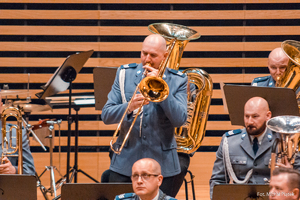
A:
x: 244, y: 154
x: 277, y: 64
x: 284, y: 184
x: 146, y: 179
x: 9, y: 165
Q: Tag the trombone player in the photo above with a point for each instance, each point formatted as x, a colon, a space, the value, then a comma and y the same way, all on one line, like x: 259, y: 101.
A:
x: 152, y: 135
x: 9, y: 165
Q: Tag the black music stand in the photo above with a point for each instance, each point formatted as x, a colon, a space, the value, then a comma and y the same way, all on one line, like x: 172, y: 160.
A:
x: 240, y: 192
x: 102, y: 84
x: 282, y: 101
x: 62, y: 80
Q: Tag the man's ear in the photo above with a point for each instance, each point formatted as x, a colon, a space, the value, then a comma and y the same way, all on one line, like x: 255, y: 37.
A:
x: 160, y: 179
x: 296, y: 193
x: 269, y: 115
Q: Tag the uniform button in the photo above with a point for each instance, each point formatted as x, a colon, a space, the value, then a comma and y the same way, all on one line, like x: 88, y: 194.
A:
x: 144, y: 125
x: 255, y: 164
x: 146, y: 114
x: 144, y: 137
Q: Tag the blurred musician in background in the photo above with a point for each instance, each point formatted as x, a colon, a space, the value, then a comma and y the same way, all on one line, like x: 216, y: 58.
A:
x: 9, y: 165
x: 146, y: 178
x: 153, y: 133
x: 284, y: 184
x: 277, y: 64
x: 244, y: 154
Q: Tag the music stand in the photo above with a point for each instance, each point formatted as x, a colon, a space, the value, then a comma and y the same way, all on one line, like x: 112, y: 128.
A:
x: 282, y: 101
x: 102, y: 86
x: 240, y: 191
x: 62, y: 80
x: 17, y: 187
x: 94, y: 191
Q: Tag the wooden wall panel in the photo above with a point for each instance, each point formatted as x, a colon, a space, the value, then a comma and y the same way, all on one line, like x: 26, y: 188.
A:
x: 37, y: 36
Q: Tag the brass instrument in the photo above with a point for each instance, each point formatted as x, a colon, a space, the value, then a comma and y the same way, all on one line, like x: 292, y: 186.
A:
x: 8, y: 149
x: 154, y: 88
x: 200, y: 86
x: 287, y: 146
x: 291, y: 76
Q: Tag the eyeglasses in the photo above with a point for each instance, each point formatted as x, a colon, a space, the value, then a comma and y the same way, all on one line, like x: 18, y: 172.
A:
x: 145, y: 177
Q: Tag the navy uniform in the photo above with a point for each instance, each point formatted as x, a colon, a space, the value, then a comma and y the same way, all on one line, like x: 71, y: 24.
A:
x: 153, y: 133
x: 243, y: 159
x: 133, y: 196
x: 28, y: 164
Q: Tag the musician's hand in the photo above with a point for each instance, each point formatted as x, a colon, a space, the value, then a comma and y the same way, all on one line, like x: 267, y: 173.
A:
x: 7, y: 167
x: 285, y: 163
x: 137, y: 102
x: 150, y: 70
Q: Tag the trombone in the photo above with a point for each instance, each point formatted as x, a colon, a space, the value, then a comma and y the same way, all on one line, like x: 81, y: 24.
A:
x: 153, y: 88
x: 7, y: 140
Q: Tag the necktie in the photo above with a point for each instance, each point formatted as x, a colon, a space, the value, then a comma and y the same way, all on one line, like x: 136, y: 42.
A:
x: 255, y: 145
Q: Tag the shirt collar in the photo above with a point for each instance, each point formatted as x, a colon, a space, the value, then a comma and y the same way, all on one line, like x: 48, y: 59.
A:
x: 155, y: 198
x: 259, y: 138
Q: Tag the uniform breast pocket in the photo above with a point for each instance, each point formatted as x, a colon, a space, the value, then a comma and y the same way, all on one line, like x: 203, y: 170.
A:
x: 239, y: 164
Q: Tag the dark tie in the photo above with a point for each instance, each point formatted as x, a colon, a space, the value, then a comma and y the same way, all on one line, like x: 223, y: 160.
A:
x: 255, y: 145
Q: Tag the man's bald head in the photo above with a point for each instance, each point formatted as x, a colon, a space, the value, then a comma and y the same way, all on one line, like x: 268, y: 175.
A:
x: 153, y: 50
x: 277, y: 63
x: 151, y: 163
x: 256, y: 114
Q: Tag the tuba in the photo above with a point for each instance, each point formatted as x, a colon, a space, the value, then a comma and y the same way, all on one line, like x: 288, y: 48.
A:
x: 8, y: 149
x: 291, y: 76
x: 199, y: 92
x: 286, y: 147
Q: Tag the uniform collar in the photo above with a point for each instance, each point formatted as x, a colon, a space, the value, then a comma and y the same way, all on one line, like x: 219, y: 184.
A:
x: 259, y: 138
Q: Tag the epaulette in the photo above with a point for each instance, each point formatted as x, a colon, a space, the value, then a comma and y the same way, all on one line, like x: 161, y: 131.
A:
x: 259, y: 79
x: 233, y: 132
x: 177, y: 72
x: 131, y: 65
x: 125, y: 196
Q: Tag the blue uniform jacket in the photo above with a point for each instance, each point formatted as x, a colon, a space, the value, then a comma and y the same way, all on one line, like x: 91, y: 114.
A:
x: 243, y: 159
x: 133, y: 196
x: 154, y: 136
x: 28, y: 164
x: 266, y: 81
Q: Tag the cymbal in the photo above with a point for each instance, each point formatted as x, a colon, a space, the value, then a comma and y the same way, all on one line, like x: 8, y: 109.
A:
x: 12, y: 92
x: 34, y: 107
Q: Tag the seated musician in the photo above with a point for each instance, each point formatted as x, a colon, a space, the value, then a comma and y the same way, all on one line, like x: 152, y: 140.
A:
x: 244, y: 154
x: 146, y: 178
x: 277, y: 64
x: 9, y: 165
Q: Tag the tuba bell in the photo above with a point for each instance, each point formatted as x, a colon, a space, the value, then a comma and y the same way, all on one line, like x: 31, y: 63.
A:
x: 291, y: 76
x: 8, y: 149
x: 286, y: 147
x: 200, y: 86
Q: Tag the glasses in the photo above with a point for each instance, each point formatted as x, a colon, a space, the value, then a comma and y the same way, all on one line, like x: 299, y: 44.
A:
x: 145, y: 177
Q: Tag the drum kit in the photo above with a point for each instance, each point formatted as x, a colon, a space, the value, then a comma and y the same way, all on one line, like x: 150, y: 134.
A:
x: 43, y: 132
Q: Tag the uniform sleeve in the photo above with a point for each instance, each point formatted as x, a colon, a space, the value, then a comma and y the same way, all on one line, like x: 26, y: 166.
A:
x: 114, y: 109
x: 28, y: 163
x: 218, y: 174
x: 175, y: 106
x: 297, y: 162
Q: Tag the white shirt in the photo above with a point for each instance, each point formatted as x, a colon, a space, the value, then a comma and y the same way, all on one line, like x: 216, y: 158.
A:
x: 259, y: 138
x: 155, y: 198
